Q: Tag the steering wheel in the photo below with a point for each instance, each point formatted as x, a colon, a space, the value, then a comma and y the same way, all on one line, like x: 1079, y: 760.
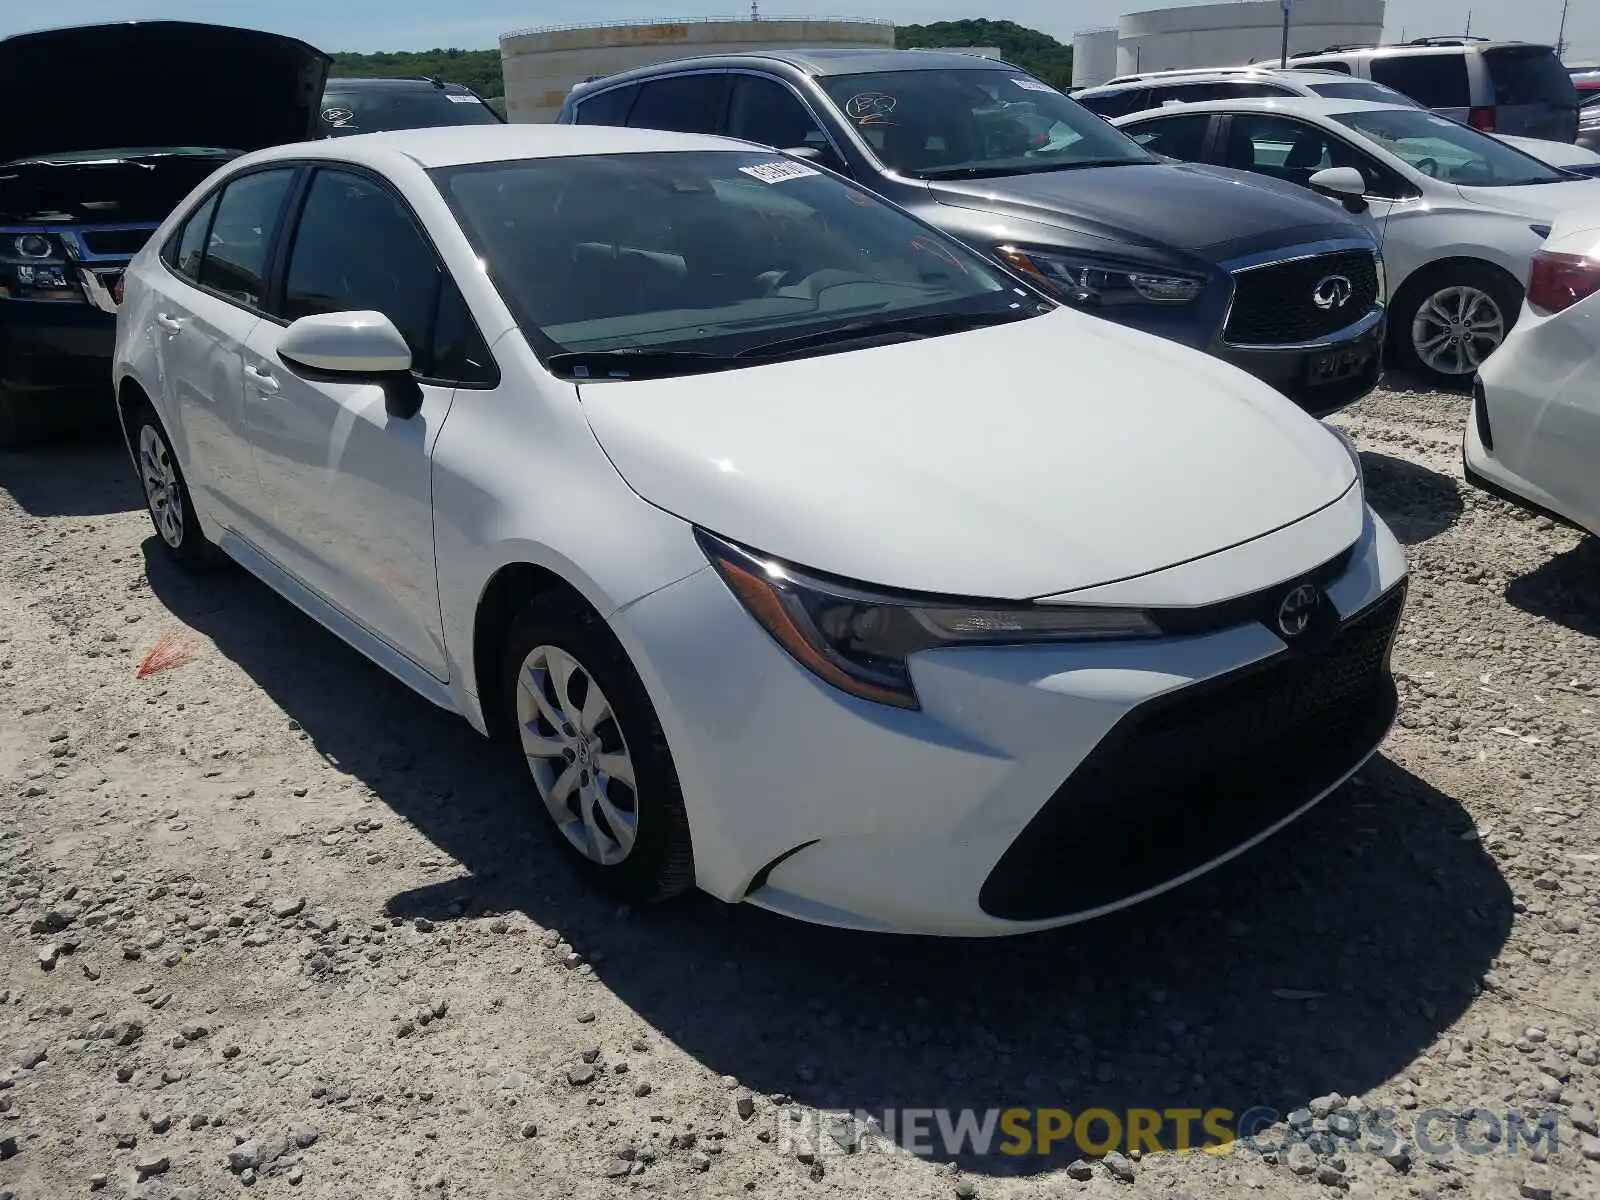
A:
x: 1428, y: 167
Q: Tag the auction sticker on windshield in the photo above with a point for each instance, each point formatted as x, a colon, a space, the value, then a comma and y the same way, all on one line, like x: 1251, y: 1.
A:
x: 778, y: 172
x: 456, y: 98
x: 1032, y: 85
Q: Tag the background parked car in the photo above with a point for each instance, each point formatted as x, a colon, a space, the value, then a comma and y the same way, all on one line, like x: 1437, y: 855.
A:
x: 1136, y: 93
x: 626, y: 551
x: 1496, y: 87
x: 1460, y: 213
x: 1589, y: 116
x: 1009, y: 165
x: 1534, y: 434
x: 353, y: 105
x: 106, y: 128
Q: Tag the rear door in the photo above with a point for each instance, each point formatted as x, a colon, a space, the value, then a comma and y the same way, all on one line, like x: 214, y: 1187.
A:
x: 694, y: 103
x: 1533, y: 94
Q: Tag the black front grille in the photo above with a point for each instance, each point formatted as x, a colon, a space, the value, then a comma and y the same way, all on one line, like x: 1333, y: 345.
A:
x: 115, y: 241
x: 1278, y: 304
x: 1187, y: 777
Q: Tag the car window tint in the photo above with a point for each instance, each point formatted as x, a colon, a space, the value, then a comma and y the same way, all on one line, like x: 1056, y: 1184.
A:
x: 1176, y: 137
x: 1330, y: 64
x: 1529, y: 75
x: 190, y: 245
x: 356, y: 248
x: 458, y: 352
x: 1432, y: 80
x: 764, y: 111
x: 1361, y: 89
x: 682, y: 103
x: 608, y: 108
x: 1244, y: 90
x: 236, y: 251
x: 1448, y: 150
x: 1117, y: 104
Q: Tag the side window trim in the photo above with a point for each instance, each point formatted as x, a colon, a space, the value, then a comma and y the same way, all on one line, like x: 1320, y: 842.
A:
x: 169, y: 252
x: 289, y: 228
x: 273, y: 239
x: 805, y: 103
x: 636, y: 85
x: 721, y: 121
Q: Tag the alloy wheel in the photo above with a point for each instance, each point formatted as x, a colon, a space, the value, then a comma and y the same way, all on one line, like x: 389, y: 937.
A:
x: 1456, y: 328
x: 577, y: 754
x: 162, y: 488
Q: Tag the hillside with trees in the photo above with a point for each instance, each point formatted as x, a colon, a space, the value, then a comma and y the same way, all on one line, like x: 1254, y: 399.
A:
x: 1029, y: 49
x: 480, y: 69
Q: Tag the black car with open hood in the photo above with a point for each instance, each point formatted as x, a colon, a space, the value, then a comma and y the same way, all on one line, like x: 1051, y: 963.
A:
x: 107, y: 128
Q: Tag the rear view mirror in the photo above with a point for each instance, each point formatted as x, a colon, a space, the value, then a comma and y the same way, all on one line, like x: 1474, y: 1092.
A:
x: 359, y: 346
x: 823, y: 156
x: 1344, y: 183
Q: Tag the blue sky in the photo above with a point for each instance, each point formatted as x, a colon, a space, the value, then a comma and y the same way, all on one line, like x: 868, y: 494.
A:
x: 422, y: 24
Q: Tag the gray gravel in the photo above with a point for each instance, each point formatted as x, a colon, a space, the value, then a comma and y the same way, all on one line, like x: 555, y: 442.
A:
x: 268, y: 920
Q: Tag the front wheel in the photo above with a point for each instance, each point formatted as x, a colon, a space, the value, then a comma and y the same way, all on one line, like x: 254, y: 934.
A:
x: 1449, y: 320
x: 599, y: 761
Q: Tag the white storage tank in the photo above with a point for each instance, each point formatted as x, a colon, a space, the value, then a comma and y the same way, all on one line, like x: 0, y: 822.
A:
x: 1094, y: 57
x: 1223, y: 35
x: 542, y: 65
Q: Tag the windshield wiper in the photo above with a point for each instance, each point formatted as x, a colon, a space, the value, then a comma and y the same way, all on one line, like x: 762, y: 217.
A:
x: 635, y: 362
x: 924, y: 325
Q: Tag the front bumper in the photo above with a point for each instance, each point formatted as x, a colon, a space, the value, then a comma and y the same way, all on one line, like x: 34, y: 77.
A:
x: 1020, y: 765
x: 1322, y: 376
x: 55, y: 347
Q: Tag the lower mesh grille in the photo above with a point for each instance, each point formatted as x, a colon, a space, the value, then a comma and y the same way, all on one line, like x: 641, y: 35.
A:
x: 1187, y: 777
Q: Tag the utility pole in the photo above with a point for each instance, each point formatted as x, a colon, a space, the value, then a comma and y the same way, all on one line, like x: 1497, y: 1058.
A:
x: 1283, y: 57
x: 1469, y: 23
x: 1561, y: 34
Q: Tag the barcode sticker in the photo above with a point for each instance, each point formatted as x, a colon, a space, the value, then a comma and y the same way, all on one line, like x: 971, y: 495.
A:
x: 457, y: 98
x: 778, y: 172
x: 1032, y: 85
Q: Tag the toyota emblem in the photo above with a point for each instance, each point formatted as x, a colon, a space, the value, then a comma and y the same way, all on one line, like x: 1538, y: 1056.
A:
x: 1295, y: 613
x: 1331, y: 292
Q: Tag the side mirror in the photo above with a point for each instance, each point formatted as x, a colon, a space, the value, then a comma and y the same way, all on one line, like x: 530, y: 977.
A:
x: 1345, y: 184
x: 355, y: 347
x: 823, y: 156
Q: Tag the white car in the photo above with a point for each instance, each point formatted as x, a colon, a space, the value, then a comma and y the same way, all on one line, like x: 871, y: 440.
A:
x: 1460, y: 213
x: 765, y: 519
x: 1534, y: 434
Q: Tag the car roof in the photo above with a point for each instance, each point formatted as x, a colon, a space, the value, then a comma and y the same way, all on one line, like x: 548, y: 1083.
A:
x: 414, y: 83
x: 816, y: 62
x: 459, y: 145
x: 1305, y: 75
x: 1444, y: 46
x: 1307, y: 106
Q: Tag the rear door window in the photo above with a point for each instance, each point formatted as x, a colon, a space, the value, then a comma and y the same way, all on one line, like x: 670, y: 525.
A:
x: 183, y: 253
x: 608, y: 108
x: 1529, y: 75
x: 1432, y: 80
x: 682, y: 103
x: 1182, y: 136
x: 1117, y: 104
x: 1361, y: 89
x: 766, y: 112
x: 235, y: 261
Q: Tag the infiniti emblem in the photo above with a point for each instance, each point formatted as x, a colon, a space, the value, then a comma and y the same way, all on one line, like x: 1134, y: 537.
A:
x: 1294, y: 614
x: 1331, y: 292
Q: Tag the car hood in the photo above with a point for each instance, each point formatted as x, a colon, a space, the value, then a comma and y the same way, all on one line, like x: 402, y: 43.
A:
x: 1556, y: 154
x: 1018, y: 461
x: 1210, y: 211
x: 155, y: 83
x: 1540, y: 200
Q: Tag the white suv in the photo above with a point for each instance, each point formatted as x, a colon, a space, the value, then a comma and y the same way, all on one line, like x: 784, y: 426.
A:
x: 1155, y: 89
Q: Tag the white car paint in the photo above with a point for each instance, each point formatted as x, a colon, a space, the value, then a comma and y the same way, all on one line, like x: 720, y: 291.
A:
x: 1566, y: 155
x: 1146, y: 476
x: 1540, y: 398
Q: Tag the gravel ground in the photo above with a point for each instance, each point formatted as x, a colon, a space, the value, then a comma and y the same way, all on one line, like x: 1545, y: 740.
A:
x: 267, y: 919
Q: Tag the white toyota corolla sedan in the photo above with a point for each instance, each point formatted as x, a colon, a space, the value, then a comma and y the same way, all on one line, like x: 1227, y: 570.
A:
x: 808, y: 558
x: 1534, y: 434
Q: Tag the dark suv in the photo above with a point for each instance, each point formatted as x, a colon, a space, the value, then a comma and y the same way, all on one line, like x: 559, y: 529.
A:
x: 93, y: 156
x: 1284, y: 284
x: 352, y: 105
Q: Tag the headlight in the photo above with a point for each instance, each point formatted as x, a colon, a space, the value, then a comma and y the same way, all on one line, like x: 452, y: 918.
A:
x: 1383, y: 280
x: 33, y: 246
x: 858, y: 640
x: 1095, y: 282
x: 33, y: 267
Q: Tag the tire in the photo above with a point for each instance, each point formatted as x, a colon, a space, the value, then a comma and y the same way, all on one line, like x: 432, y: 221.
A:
x: 1451, y: 301
x: 577, y: 742
x: 166, y: 492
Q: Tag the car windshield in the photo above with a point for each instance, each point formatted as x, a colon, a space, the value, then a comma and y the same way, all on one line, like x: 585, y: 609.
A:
x: 372, y: 110
x: 1362, y: 89
x: 946, y: 124
x: 710, y: 253
x: 1448, y: 150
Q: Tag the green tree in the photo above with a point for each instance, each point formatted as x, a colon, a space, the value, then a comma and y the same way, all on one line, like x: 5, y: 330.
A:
x: 1036, y: 52
x: 478, y: 69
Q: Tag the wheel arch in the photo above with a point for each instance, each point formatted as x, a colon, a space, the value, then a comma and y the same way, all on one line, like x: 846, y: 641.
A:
x: 504, y: 595
x: 1405, y: 288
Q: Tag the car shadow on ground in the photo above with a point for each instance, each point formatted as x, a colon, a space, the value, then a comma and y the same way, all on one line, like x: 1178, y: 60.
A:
x: 84, y: 476
x: 1325, y: 960
x: 1415, y: 502
x: 1564, y: 589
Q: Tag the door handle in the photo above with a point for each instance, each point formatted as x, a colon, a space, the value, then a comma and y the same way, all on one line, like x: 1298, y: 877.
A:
x: 260, y: 380
x: 170, y: 323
